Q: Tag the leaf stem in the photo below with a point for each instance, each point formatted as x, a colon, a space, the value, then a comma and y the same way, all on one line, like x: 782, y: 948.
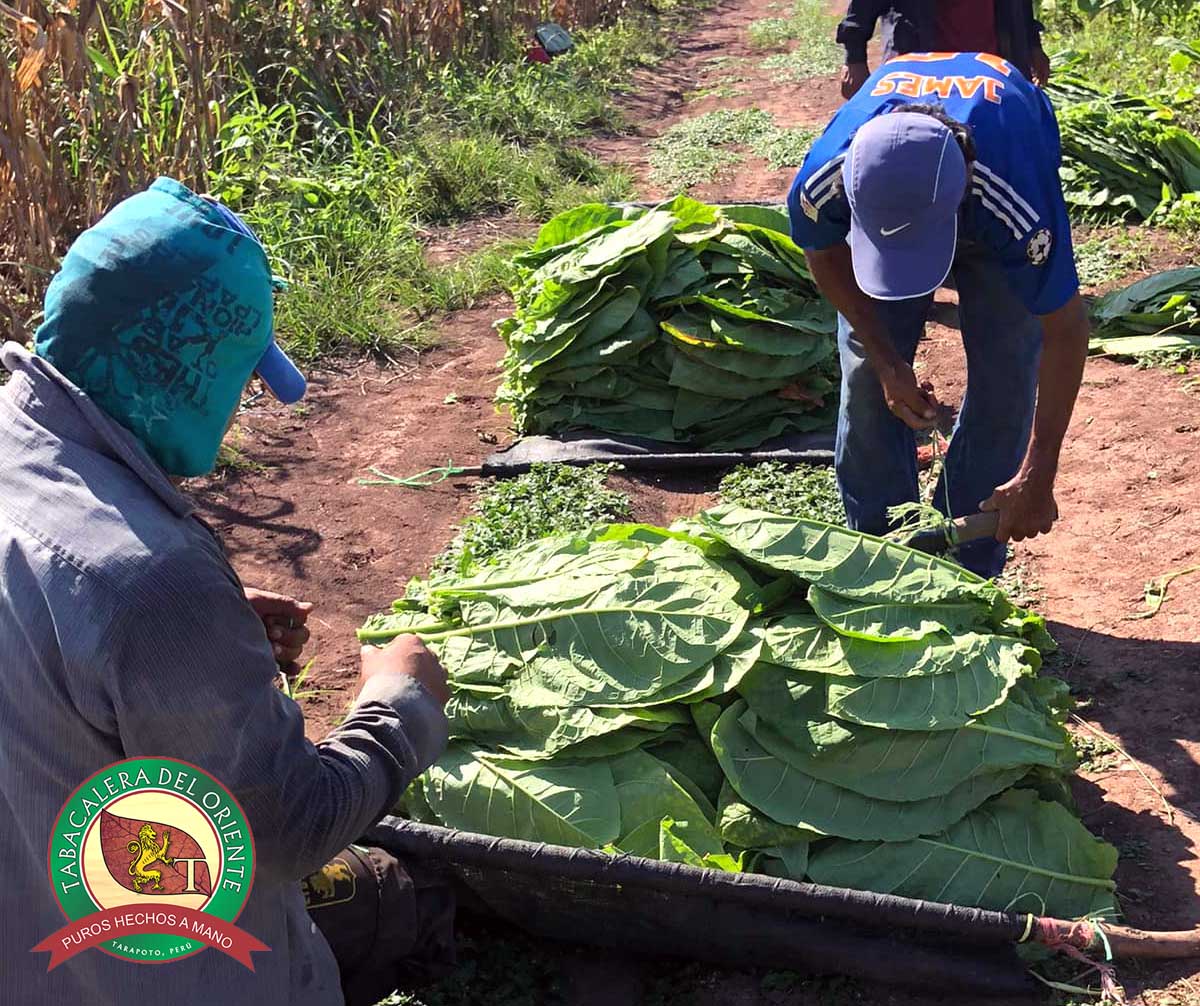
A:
x: 1015, y: 735
x: 1108, y: 885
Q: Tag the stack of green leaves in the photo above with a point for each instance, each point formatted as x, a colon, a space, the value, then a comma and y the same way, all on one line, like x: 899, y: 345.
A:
x: 748, y: 691
x: 685, y: 324
x: 1156, y: 315
x: 1123, y: 156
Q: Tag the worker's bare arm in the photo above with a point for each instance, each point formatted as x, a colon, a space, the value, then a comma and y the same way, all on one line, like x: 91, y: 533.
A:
x: 832, y: 269
x: 1026, y: 502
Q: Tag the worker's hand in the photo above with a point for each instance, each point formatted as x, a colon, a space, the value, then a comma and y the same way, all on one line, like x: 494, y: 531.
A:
x: 284, y: 618
x: 408, y: 656
x: 1040, y: 65
x: 915, y: 404
x: 1026, y: 507
x: 854, y: 75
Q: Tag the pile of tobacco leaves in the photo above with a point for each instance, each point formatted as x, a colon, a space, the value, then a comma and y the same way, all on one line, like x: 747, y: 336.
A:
x: 686, y: 323
x: 747, y: 691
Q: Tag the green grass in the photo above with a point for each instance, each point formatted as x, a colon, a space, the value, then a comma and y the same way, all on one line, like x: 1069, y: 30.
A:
x: 1135, y: 54
x: 1101, y: 259
x: 500, y: 967
x: 550, y: 499
x: 1183, y: 217
x: 342, y: 203
x: 772, y: 32
x: 794, y: 490
x: 232, y: 458
x: 718, y: 89
x: 803, y: 64
x: 810, y: 25
x: 698, y: 150
x: 816, y: 52
x: 496, y: 968
x: 1095, y: 754
x: 784, y: 148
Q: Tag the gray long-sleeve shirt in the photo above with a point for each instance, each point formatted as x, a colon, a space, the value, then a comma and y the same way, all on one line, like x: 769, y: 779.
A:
x: 124, y: 633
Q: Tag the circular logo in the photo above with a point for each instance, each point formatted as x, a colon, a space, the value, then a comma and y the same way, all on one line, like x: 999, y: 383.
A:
x: 1039, y: 247
x: 151, y: 860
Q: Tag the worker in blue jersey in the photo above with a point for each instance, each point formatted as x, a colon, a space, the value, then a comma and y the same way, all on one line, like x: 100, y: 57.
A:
x: 947, y: 163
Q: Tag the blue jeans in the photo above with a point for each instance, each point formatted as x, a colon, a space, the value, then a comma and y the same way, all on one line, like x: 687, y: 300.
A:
x: 876, y: 452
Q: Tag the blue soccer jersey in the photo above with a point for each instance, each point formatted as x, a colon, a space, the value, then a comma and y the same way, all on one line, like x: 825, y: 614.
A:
x: 1015, y: 205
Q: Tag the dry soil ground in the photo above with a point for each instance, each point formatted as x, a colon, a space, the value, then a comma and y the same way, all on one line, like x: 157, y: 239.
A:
x: 295, y: 520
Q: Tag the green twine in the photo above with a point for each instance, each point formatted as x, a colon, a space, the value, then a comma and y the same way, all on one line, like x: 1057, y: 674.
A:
x: 422, y: 480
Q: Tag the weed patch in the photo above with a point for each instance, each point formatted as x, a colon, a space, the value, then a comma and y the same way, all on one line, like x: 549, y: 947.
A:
x: 725, y: 89
x: 784, y: 148
x: 793, y: 490
x: 1100, y: 260
x: 550, y: 499
x: 813, y: 28
x: 1142, y: 54
x: 695, y: 150
x: 1095, y: 754
x: 699, y: 149
x: 233, y: 460
x: 772, y: 32
x: 497, y: 968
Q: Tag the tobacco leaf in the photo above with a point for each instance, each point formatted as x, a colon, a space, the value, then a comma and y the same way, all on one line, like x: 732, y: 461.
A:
x: 122, y: 841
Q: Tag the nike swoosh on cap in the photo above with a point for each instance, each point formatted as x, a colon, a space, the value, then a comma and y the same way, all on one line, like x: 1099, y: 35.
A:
x: 895, y: 230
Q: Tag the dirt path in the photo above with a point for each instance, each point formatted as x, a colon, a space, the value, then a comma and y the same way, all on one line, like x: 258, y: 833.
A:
x: 295, y: 520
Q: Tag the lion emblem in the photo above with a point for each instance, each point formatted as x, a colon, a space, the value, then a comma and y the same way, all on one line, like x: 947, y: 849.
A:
x: 322, y: 886
x: 146, y: 853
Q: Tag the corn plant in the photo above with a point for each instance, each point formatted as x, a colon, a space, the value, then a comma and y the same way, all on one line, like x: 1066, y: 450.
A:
x: 97, y: 97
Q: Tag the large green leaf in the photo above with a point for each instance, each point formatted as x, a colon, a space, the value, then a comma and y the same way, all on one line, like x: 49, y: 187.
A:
x: 851, y: 564
x: 790, y: 796
x: 599, y: 327
x: 690, y: 760
x: 553, y: 682
x: 536, y: 733
x: 799, y: 639
x: 769, y: 217
x: 606, y: 253
x: 937, y: 702
x: 897, y: 765
x: 932, y: 684
x: 745, y: 285
x: 1015, y: 853
x: 677, y: 843
x: 591, y: 554
x: 575, y: 225
x: 743, y: 826
x: 887, y: 621
x: 1152, y: 291
x: 567, y: 804
x: 648, y: 792
x: 793, y: 858
x: 618, y: 639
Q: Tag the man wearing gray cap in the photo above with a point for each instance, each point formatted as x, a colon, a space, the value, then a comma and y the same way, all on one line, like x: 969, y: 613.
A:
x: 941, y: 164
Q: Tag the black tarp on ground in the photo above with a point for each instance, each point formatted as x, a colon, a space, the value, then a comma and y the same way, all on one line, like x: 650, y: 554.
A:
x: 641, y: 906
x: 584, y: 447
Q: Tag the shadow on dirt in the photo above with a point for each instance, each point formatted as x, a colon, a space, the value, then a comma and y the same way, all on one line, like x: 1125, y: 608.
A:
x: 1143, y: 694
x: 268, y: 514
